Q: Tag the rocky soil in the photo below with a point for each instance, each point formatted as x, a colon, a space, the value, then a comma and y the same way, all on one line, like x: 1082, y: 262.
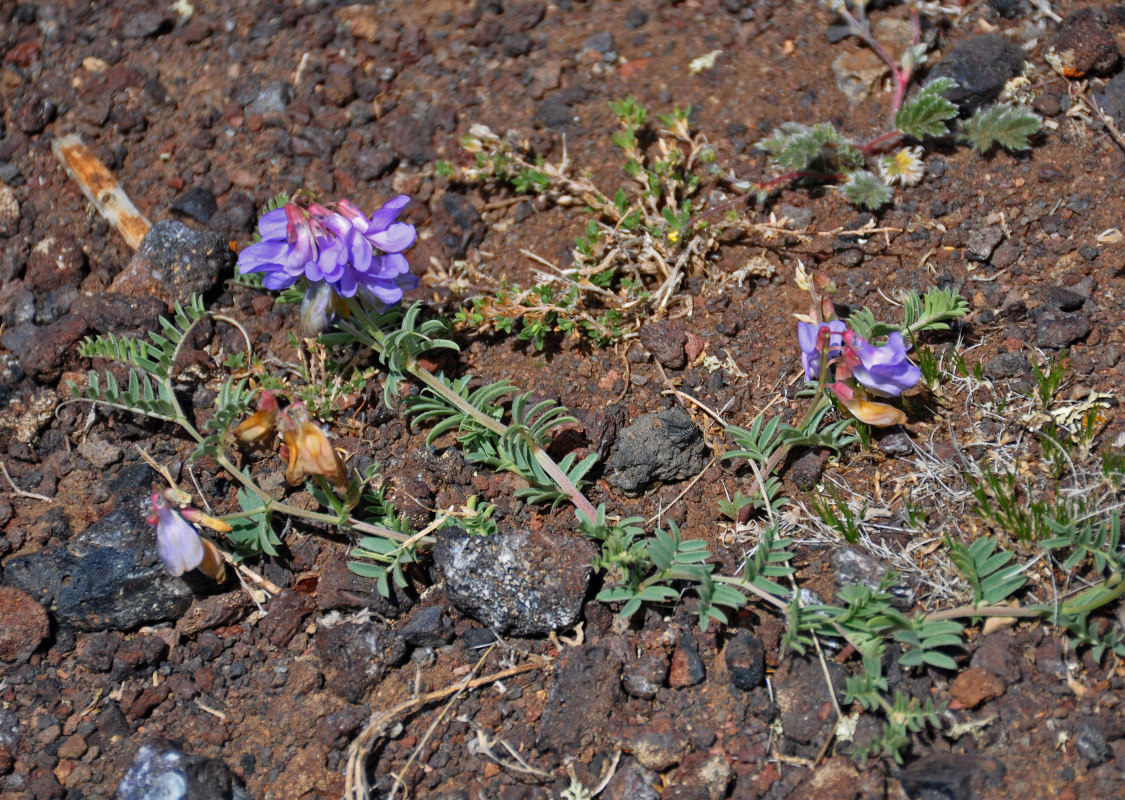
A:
x: 117, y: 676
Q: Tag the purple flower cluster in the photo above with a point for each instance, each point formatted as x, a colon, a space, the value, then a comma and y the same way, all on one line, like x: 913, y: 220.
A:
x: 342, y: 248
x: 883, y: 369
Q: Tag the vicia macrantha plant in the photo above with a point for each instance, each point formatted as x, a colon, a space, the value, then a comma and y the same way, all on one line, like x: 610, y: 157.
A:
x: 350, y: 272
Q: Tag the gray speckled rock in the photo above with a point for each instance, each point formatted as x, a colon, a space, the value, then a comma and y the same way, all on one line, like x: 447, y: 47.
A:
x: 665, y: 446
x: 161, y: 771
x: 519, y: 582
x: 175, y: 262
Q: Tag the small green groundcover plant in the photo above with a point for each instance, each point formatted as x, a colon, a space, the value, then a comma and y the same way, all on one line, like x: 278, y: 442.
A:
x: 819, y: 153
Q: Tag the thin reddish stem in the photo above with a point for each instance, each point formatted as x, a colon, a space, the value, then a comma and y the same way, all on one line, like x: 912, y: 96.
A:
x: 879, y: 142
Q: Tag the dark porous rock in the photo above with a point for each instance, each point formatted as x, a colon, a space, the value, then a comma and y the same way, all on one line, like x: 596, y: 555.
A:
x: 34, y: 114
x: 174, y: 263
x: 1112, y: 99
x: 980, y: 66
x: 801, y: 693
x: 146, y: 23
x: 106, y: 578
x: 212, y: 611
x: 17, y: 305
x: 13, y: 259
x: 602, y: 44
x: 600, y: 426
x: 643, y: 676
x: 1059, y: 329
x: 273, y: 97
x: 1010, y: 9
x: 952, y: 776
x: 340, y: 588
x: 1091, y: 743
x: 457, y: 224
x: 336, y: 729
x: 54, y: 261
x: 198, y: 202
x: 1063, y: 299
x: 1083, y: 44
x: 998, y: 653
x: 412, y: 134
x: 286, y: 611
x: 581, y: 700
x: 9, y: 211
x: 665, y: 340
x: 663, y: 446
x: 982, y: 242
x: 160, y: 769
x: 107, y: 312
x: 808, y: 467
x: 745, y: 657
x: 1005, y: 255
x: 23, y: 625
x: 43, y: 784
x: 519, y: 582
x: 1007, y: 365
x: 557, y: 109
x: 895, y: 443
x: 97, y: 651
x: 138, y: 653
x: 427, y: 627
x: 632, y: 781
x: 356, y: 655
x: 41, y: 350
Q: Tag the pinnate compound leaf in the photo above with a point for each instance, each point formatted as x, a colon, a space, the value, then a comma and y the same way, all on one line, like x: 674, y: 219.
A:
x: 928, y: 113
x: 1004, y: 124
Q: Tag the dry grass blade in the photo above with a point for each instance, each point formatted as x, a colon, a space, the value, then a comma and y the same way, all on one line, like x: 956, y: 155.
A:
x: 101, y: 189
x: 356, y: 786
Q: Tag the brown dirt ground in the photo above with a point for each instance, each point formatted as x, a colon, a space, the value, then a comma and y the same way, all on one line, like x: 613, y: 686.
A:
x: 167, y: 108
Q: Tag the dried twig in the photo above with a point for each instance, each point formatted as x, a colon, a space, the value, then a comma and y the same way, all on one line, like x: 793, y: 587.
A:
x: 20, y: 492
x: 356, y: 786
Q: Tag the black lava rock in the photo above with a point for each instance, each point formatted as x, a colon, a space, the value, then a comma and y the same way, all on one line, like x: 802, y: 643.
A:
x: 106, y: 578
x: 980, y: 66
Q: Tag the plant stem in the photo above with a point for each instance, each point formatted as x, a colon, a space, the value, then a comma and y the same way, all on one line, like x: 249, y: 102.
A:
x: 371, y: 335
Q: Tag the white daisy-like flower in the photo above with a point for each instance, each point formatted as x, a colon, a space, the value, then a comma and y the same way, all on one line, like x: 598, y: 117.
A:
x: 904, y: 167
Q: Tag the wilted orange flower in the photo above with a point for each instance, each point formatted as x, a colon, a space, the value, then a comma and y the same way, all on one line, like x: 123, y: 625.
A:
x: 262, y: 422
x: 309, y: 451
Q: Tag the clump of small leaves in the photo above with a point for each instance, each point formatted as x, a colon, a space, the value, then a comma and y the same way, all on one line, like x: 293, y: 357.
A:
x: 865, y: 173
x: 635, y: 249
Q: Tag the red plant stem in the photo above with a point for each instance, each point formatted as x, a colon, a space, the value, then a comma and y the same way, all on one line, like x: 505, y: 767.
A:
x: 877, y: 144
x: 794, y: 175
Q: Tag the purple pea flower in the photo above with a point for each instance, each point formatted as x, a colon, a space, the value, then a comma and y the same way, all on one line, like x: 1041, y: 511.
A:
x: 884, y: 369
x: 343, y: 249
x: 177, y: 542
x: 808, y: 335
